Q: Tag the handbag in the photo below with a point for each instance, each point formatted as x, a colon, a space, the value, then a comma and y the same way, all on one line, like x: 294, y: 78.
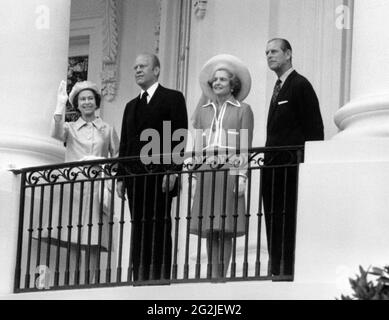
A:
x: 107, y: 196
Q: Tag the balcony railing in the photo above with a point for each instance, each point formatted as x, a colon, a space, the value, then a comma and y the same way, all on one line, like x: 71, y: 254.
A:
x: 75, y: 232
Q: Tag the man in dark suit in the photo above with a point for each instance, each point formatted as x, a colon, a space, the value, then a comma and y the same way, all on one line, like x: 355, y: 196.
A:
x: 294, y: 118
x: 155, y: 114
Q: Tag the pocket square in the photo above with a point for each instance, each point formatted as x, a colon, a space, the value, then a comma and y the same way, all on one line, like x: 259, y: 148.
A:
x: 283, y: 102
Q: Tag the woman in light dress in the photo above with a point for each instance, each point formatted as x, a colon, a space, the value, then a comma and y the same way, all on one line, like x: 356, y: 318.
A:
x: 88, y: 138
x: 223, y: 123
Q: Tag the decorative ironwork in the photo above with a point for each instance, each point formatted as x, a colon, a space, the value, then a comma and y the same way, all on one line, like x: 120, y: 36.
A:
x: 87, y: 170
x: 70, y: 174
x: 72, y: 205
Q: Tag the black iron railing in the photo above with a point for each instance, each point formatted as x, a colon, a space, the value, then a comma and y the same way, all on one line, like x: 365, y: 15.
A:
x: 75, y: 232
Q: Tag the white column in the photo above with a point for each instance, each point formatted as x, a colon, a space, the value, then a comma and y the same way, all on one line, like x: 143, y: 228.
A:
x: 367, y: 113
x: 169, y: 41
x: 34, y: 39
x: 343, y: 188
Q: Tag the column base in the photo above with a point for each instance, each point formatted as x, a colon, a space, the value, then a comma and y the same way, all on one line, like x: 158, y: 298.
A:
x: 342, y: 216
x: 364, y: 118
x: 18, y: 150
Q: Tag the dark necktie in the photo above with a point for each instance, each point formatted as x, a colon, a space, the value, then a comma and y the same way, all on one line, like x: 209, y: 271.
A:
x: 276, y: 91
x: 143, y: 99
x: 142, y: 112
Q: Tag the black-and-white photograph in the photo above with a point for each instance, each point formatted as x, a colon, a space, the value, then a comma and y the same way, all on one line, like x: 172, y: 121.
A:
x: 194, y: 150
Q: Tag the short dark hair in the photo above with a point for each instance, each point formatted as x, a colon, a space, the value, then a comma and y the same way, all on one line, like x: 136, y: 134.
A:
x: 97, y: 98
x: 285, y: 44
x: 235, y: 83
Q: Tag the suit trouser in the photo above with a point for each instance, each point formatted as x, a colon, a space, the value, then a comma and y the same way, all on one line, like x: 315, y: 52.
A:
x: 151, y: 227
x: 279, y: 199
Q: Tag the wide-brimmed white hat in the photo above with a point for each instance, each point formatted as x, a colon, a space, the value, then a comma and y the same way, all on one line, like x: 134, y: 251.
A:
x: 232, y: 64
x: 80, y: 86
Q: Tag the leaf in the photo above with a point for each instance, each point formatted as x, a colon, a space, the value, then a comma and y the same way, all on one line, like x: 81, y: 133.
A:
x: 376, y: 271
x: 365, y: 289
x: 361, y: 270
x: 384, y: 280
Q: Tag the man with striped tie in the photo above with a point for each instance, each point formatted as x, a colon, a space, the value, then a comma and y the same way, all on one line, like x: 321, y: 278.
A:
x: 294, y: 118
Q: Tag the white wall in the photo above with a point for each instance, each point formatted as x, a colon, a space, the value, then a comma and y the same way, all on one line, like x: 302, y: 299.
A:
x: 344, y: 226
x: 138, y: 20
x: 241, y: 28
x: 370, y: 49
x: 310, y: 26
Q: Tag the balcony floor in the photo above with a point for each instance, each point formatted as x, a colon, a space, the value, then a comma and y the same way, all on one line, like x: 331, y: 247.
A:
x: 261, y: 290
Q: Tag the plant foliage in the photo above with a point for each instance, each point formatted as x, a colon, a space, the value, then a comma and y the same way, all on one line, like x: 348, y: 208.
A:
x: 366, y: 289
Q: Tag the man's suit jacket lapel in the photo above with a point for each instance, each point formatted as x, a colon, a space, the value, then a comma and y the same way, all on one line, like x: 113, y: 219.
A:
x: 132, y: 112
x: 157, y: 97
x: 154, y: 105
x: 281, y: 94
x: 286, y: 85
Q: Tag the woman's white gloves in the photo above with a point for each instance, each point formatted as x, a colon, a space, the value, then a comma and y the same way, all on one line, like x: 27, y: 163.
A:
x: 62, y: 98
x: 90, y: 157
x: 194, y: 182
x: 241, y: 186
